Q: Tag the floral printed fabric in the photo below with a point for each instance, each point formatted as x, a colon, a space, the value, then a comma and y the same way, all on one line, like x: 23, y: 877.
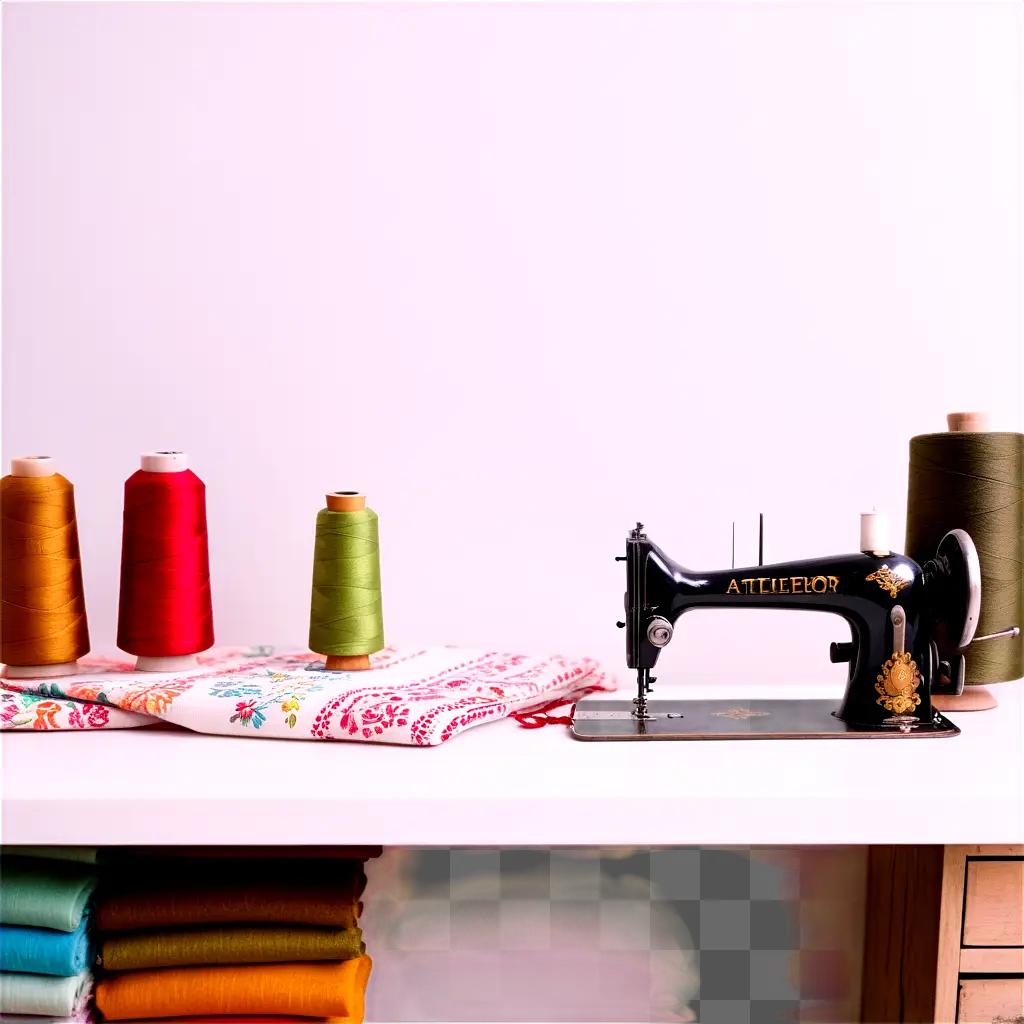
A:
x: 417, y: 697
x: 36, y: 711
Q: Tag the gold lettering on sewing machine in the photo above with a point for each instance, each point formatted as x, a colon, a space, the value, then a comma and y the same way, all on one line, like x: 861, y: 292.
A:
x: 756, y: 585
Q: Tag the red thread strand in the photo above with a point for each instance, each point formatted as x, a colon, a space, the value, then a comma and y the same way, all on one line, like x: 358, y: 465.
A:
x: 539, y: 717
x: 165, y: 606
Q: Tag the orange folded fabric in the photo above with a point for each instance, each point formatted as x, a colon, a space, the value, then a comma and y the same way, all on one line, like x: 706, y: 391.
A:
x: 249, y: 1018
x: 335, y: 990
x: 335, y: 904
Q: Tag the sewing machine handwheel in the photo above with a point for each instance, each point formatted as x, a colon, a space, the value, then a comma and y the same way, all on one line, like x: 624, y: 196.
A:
x: 960, y: 604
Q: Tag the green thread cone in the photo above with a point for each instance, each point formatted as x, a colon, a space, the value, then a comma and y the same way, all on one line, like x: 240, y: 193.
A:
x: 345, y: 614
x: 975, y: 482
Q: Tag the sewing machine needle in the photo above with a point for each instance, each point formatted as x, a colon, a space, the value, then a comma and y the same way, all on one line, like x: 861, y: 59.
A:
x: 734, y: 543
x: 760, y: 540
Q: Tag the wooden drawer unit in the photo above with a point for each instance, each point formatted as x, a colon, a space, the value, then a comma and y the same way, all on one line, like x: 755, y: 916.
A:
x: 944, y: 935
x: 994, y: 903
x: 984, y: 1000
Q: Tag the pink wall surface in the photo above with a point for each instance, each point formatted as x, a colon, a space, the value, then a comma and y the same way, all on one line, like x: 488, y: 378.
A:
x: 524, y: 274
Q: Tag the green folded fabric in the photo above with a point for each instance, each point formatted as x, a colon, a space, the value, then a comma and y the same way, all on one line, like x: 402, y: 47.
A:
x: 44, y: 894
x: 40, y: 994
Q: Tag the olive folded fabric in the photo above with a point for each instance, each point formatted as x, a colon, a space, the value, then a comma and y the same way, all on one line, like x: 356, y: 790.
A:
x: 47, y: 894
x: 130, y: 951
x: 44, y: 950
x: 299, y: 989
x: 47, y: 997
x: 330, y: 904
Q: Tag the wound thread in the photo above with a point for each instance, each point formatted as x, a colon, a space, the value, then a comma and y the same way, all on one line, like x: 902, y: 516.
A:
x: 975, y: 482
x: 346, y: 614
x: 42, y: 607
x: 165, y: 607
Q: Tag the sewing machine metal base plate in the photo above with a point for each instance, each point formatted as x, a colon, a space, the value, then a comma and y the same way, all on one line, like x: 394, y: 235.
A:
x: 733, y: 720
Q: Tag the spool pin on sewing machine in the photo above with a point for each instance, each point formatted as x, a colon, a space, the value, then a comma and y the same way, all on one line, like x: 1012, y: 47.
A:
x: 909, y: 627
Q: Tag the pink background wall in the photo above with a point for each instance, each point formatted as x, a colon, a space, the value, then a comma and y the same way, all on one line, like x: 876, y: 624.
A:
x: 523, y: 273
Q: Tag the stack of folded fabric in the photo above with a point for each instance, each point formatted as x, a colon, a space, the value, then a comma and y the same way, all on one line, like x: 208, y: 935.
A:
x: 46, y: 949
x: 197, y: 935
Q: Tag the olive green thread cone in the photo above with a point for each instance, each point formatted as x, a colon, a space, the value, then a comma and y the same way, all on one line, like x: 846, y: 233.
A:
x: 345, y: 614
x: 975, y: 482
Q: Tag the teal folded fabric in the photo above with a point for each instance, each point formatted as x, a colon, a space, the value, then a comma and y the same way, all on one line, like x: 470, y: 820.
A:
x: 34, y: 1018
x: 48, y: 997
x: 44, y: 894
x: 44, y: 950
x: 84, y: 854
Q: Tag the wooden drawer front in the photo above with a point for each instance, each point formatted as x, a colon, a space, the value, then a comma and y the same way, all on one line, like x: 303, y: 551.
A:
x: 994, y: 907
x: 993, y: 960
x: 985, y: 1000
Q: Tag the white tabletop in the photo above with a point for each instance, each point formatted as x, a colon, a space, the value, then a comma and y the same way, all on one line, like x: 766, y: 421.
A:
x: 503, y: 785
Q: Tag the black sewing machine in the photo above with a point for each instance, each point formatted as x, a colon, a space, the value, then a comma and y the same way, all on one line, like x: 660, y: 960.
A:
x: 909, y: 626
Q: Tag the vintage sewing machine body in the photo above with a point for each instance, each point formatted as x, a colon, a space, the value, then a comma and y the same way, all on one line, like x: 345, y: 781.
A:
x: 909, y: 625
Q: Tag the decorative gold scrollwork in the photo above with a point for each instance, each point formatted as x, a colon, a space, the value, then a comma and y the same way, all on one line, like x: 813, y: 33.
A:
x: 740, y: 714
x: 897, y: 684
x: 888, y: 580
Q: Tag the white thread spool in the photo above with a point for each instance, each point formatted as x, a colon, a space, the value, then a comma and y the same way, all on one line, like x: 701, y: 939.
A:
x: 34, y: 465
x: 874, y: 533
x: 165, y: 462
x: 38, y: 466
x: 967, y: 422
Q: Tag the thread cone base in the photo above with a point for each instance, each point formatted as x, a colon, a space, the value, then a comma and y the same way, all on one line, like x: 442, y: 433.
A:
x: 177, y: 663
x: 974, y: 698
x: 348, y: 662
x: 66, y: 668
